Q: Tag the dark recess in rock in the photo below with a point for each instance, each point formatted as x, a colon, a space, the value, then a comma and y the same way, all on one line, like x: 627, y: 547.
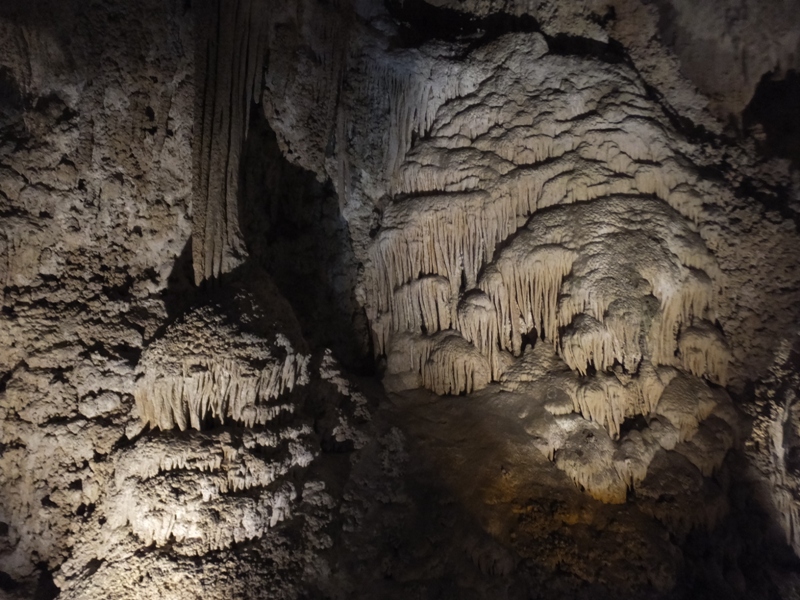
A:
x: 773, y: 118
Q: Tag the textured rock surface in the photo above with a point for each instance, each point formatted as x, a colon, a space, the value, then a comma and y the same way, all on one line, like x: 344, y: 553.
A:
x: 700, y: 57
x: 97, y: 127
x: 566, y: 302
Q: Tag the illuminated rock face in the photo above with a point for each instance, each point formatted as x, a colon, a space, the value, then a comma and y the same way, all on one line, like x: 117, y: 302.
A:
x: 225, y: 395
x: 561, y: 279
x: 559, y: 210
x: 485, y: 203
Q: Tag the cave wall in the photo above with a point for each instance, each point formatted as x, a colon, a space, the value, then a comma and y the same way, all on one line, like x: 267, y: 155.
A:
x: 396, y: 73
x: 97, y: 127
x: 189, y: 251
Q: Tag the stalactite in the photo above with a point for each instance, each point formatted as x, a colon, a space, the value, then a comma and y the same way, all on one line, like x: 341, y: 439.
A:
x: 422, y: 305
x: 208, y: 366
x: 652, y: 381
x: 411, y: 90
x: 692, y: 420
x: 158, y: 521
x: 477, y: 322
x: 479, y: 167
x: 220, y: 389
x: 577, y: 220
x: 634, y: 454
x: 453, y: 366
x: 230, y: 50
x: 531, y: 278
x: 212, y: 471
x: 704, y: 351
x: 585, y: 276
x: 607, y: 401
x: 588, y: 342
x: 681, y: 303
x: 429, y: 236
x: 604, y: 266
x: 450, y: 235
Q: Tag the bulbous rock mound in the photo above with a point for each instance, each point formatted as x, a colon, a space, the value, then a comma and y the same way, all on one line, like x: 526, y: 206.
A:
x: 560, y: 211
x: 222, y: 397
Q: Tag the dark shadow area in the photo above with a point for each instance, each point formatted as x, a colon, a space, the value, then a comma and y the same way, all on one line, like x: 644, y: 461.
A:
x: 46, y: 589
x: 772, y: 198
x: 745, y: 553
x: 294, y: 230
x: 11, y: 104
x: 7, y: 583
x: 472, y: 469
x: 180, y: 291
x: 773, y: 116
x: 488, y: 516
x: 421, y: 21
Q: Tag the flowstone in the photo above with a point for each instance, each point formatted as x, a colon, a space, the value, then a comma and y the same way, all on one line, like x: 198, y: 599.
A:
x: 559, y: 212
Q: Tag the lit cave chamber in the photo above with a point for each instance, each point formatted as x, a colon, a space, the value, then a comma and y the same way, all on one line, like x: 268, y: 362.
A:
x: 383, y: 299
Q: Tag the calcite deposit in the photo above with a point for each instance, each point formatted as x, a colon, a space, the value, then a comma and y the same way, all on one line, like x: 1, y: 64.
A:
x: 379, y: 299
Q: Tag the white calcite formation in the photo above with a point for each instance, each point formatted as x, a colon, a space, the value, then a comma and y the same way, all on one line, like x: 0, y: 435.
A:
x: 218, y: 460
x: 562, y: 212
x: 190, y: 496
x: 231, y: 44
x: 612, y: 279
x: 212, y: 472
x: 576, y: 421
x: 206, y: 368
x: 775, y: 440
x: 612, y: 275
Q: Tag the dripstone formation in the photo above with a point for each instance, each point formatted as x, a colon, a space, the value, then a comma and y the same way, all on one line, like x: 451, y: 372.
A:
x: 431, y: 299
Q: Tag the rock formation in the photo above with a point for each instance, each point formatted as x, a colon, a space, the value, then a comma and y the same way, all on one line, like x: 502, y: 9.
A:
x: 386, y: 299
